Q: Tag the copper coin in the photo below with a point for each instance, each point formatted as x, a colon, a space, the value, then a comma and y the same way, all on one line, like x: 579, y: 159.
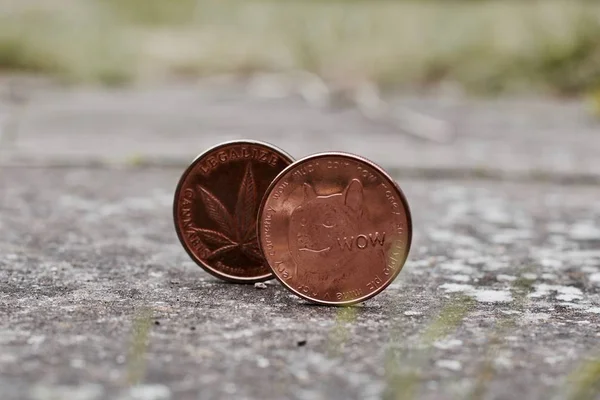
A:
x: 335, y: 228
x: 216, y: 204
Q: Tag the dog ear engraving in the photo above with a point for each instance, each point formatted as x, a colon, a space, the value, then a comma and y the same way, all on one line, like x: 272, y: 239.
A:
x: 353, y: 195
x: 309, y: 192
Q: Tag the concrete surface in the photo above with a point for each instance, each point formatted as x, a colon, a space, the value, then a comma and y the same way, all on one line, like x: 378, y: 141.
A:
x: 168, y: 125
x: 500, y: 298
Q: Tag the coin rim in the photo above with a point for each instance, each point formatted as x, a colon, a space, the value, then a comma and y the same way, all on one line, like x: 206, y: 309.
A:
x: 211, y: 270
x: 354, y: 157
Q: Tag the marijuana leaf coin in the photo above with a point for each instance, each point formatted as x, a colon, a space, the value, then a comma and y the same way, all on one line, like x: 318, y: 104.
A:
x: 216, y: 204
x: 237, y: 231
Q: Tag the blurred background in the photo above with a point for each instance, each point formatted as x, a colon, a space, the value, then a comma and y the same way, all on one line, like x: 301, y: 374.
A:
x: 360, y: 53
x: 484, y: 46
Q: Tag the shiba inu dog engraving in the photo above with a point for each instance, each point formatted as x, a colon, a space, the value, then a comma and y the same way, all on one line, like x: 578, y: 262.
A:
x: 215, y: 208
x: 335, y: 228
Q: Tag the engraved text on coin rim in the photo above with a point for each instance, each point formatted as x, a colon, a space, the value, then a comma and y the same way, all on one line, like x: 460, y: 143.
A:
x: 236, y: 154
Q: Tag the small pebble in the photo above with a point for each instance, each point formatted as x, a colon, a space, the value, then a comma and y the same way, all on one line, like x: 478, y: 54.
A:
x: 156, y: 322
x: 449, y: 364
x: 301, y: 343
x: 260, y: 285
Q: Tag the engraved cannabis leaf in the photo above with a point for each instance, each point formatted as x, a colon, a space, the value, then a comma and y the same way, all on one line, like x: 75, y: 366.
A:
x: 237, y: 231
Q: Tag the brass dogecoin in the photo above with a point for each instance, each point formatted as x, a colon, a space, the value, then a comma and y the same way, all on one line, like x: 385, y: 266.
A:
x: 335, y: 228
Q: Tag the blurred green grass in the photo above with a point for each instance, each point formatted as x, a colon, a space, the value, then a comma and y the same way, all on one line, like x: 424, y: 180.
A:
x: 486, y: 46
